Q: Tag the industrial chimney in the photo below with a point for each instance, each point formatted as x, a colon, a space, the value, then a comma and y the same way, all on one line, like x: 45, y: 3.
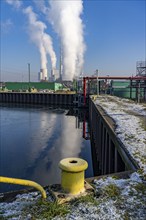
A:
x: 43, y: 75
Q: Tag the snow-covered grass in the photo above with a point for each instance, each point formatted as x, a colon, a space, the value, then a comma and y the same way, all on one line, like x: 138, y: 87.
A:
x: 130, y: 202
x: 12, y: 209
x: 125, y: 201
x: 130, y: 120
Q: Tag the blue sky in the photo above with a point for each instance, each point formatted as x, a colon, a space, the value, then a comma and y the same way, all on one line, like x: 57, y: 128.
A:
x: 114, y: 34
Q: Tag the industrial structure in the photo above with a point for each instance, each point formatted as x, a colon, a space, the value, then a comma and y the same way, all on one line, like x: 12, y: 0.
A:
x: 55, y: 75
x: 25, y: 86
x: 138, y: 83
x: 141, y: 68
x: 43, y: 75
x: 123, y: 86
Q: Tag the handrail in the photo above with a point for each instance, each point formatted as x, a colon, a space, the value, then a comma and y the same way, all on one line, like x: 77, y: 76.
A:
x: 25, y: 183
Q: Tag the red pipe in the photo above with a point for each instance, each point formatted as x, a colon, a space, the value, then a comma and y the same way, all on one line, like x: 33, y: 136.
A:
x: 84, y: 128
x: 84, y: 90
x: 117, y: 77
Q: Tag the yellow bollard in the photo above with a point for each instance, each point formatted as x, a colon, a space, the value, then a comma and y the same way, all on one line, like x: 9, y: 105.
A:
x: 72, y: 176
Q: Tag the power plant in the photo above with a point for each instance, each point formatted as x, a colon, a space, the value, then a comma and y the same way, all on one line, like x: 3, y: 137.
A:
x: 43, y: 75
x: 55, y: 75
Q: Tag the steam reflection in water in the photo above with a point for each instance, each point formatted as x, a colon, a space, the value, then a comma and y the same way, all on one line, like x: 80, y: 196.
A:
x: 34, y: 140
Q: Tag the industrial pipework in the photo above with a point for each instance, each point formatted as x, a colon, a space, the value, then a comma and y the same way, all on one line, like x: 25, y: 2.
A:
x: 133, y: 78
x: 24, y: 183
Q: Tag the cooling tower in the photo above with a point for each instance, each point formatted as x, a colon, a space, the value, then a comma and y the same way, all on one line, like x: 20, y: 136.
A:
x: 55, y: 74
x: 43, y: 75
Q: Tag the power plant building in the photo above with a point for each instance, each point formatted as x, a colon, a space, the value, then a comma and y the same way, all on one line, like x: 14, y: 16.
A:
x: 43, y: 75
x: 55, y: 75
x: 23, y: 86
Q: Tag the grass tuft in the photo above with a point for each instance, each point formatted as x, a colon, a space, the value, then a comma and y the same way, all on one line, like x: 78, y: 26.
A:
x: 85, y: 199
x: 140, y: 188
x: 54, y: 209
x: 111, y: 190
x: 44, y: 209
x: 126, y: 216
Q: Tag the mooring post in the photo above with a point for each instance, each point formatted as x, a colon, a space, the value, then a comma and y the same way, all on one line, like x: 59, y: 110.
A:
x: 72, y: 175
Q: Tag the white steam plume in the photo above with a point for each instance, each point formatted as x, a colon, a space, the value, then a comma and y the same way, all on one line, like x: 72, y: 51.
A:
x: 40, y: 4
x: 65, y: 18
x: 15, y: 3
x: 42, y: 40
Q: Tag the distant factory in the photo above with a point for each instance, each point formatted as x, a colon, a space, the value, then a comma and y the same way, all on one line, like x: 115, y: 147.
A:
x: 55, y: 75
x: 43, y: 75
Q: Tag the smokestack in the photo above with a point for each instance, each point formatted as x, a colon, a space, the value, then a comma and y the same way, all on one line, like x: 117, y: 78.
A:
x: 43, y: 75
x: 55, y: 75
x: 61, y: 66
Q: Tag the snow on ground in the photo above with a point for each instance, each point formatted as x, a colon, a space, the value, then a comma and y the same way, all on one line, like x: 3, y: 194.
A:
x: 130, y: 200
x: 15, y: 208
x: 113, y: 199
x: 130, y: 120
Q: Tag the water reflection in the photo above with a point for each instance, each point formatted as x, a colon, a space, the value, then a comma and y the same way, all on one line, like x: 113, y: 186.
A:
x: 34, y: 140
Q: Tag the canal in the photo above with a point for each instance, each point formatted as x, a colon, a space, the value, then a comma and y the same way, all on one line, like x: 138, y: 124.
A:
x: 33, y: 139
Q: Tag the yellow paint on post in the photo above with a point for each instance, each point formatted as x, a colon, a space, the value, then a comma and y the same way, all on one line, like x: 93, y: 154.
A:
x: 72, y: 177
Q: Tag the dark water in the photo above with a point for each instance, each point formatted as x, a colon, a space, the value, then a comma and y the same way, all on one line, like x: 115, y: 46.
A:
x: 34, y: 139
